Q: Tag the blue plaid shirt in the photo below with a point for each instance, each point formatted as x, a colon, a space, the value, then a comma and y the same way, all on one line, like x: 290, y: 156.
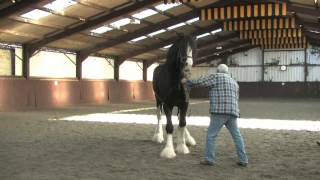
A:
x: 223, y: 93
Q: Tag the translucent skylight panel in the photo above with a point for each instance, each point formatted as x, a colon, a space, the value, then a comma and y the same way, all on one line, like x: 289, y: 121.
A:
x: 216, y: 31
x: 101, y: 30
x: 164, y: 7
x: 59, y: 5
x: 193, y: 20
x: 157, y: 32
x: 121, y: 22
x: 35, y: 14
x: 203, y: 35
x: 176, y: 26
x: 139, y: 38
x: 144, y: 14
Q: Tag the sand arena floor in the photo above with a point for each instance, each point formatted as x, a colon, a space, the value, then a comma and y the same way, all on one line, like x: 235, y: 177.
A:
x: 39, y: 144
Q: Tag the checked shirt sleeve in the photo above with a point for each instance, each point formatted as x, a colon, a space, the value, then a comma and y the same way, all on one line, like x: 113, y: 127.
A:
x: 207, y: 82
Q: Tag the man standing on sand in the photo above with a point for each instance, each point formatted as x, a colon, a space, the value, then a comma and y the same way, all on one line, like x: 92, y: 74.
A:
x: 224, y: 109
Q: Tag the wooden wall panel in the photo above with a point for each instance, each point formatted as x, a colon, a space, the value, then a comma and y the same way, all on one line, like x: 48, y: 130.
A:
x: 38, y: 93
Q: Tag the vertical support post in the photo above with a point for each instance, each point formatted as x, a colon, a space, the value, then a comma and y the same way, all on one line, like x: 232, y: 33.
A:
x: 79, y: 59
x: 116, y: 70
x: 305, y: 65
x: 13, y: 61
x: 145, y: 70
x: 26, y: 55
x: 117, y: 63
x: 78, y: 69
x: 263, y: 68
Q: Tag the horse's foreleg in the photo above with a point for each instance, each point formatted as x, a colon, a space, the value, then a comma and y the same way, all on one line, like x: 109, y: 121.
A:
x: 168, y: 151
x: 158, y: 134
x: 182, y: 148
x: 181, y: 142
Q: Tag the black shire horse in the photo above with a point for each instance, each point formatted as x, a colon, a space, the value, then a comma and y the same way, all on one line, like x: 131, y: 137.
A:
x: 170, y: 92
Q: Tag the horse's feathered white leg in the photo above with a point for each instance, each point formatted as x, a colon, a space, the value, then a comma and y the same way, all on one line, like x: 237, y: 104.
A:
x: 158, y: 134
x: 189, y: 139
x: 168, y: 151
x: 181, y: 142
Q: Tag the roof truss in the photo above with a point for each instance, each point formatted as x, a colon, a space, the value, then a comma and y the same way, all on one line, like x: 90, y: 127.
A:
x: 90, y: 23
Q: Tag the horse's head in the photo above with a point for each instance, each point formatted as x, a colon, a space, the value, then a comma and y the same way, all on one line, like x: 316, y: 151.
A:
x: 181, y: 55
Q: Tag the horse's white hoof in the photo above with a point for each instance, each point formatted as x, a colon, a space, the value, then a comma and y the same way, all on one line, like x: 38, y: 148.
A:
x: 168, y: 152
x: 158, y: 138
x: 182, y: 149
x: 190, y: 141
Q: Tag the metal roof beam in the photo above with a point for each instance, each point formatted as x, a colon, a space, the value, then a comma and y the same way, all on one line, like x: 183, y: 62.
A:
x: 225, y: 53
x: 203, y: 45
x: 140, y: 32
x: 91, y: 23
x: 218, y: 39
x: 171, y: 40
x: 211, y: 51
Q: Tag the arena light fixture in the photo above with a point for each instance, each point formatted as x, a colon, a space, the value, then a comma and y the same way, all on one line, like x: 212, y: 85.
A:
x: 144, y: 14
x: 193, y: 20
x: 203, y: 35
x: 176, y: 26
x: 59, y: 5
x: 35, y: 14
x: 157, y: 32
x: 219, y: 47
x: 168, y: 46
x: 139, y: 38
x: 216, y: 31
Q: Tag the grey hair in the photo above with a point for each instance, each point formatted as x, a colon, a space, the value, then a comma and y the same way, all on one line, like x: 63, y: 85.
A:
x: 222, y: 68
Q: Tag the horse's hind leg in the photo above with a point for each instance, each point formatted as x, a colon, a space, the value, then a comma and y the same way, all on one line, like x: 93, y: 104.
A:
x: 168, y: 151
x: 189, y: 139
x: 158, y: 134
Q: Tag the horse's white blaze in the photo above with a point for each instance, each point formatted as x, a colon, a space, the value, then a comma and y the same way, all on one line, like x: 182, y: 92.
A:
x: 189, y: 139
x: 189, y: 57
x: 181, y: 142
x: 158, y: 134
x: 168, y: 151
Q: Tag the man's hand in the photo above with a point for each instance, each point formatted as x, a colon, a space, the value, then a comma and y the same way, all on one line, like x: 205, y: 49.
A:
x: 184, y: 80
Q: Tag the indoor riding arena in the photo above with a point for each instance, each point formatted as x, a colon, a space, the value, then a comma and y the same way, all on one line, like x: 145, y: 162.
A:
x: 77, y: 99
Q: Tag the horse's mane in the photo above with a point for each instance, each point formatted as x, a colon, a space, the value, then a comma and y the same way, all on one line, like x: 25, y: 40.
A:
x: 177, y: 52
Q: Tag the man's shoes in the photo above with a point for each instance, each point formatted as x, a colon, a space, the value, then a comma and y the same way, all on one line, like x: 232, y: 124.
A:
x: 206, y: 163
x: 242, y: 164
